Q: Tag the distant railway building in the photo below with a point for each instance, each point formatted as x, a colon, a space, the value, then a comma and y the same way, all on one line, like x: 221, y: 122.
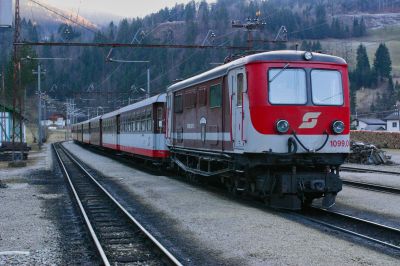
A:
x: 6, y: 128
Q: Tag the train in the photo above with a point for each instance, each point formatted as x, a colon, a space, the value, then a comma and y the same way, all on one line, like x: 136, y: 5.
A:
x: 275, y: 125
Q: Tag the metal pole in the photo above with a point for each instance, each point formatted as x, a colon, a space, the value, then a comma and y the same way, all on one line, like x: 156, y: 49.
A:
x: 39, y: 107
x: 148, y: 81
x: 66, y: 122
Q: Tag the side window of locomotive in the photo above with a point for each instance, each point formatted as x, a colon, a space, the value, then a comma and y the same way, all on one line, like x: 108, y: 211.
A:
x: 287, y: 86
x: 137, y: 121
x: 160, y: 118
x: 215, y: 96
x: 149, y: 120
x: 190, y: 99
x: 202, y: 96
x: 133, y: 122
x: 178, y: 104
x: 143, y: 121
x: 239, y: 89
x: 326, y: 87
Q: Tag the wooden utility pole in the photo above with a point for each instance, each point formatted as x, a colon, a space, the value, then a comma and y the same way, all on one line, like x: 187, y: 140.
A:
x: 16, y: 83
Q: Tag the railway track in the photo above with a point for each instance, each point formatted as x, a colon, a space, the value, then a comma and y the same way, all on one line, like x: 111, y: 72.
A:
x: 373, y: 187
x: 363, y: 170
x: 377, y: 233
x: 118, y: 237
x: 368, y: 230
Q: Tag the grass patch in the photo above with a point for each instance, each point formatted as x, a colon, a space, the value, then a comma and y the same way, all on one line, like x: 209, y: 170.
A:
x: 347, y: 48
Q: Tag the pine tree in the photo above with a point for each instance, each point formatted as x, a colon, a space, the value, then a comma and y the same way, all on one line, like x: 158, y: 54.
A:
x: 397, y: 90
x: 316, y: 46
x: 320, y: 13
x: 363, y: 69
x: 363, y: 27
x: 382, y: 62
x: 356, y: 28
x: 190, y: 11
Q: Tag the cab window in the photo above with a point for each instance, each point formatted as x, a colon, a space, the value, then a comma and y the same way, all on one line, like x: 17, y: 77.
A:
x: 287, y: 86
x: 326, y: 87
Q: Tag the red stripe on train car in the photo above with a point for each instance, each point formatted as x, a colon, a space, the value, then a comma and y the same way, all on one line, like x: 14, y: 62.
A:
x: 146, y: 152
x: 110, y: 146
x: 139, y: 151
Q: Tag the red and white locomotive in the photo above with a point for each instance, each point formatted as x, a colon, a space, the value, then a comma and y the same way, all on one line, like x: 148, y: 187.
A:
x: 273, y: 124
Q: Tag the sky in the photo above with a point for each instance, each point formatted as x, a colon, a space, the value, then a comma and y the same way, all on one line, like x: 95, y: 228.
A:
x: 123, y: 8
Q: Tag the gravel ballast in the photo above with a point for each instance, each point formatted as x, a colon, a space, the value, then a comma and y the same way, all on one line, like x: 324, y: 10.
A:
x: 27, y: 236
x: 230, y: 229
x: 39, y: 224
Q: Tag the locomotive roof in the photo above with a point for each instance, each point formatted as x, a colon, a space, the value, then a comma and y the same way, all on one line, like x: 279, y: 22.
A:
x: 94, y: 118
x: 284, y: 56
x: 155, y: 99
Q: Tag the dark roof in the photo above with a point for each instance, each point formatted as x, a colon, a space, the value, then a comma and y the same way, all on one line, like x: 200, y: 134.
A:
x: 392, y: 116
x: 372, y: 121
x: 375, y: 127
x: 284, y: 56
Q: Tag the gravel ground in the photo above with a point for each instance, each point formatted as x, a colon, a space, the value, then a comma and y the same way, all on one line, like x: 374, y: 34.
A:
x: 395, y: 155
x: 39, y: 224
x: 27, y: 237
x: 232, y: 230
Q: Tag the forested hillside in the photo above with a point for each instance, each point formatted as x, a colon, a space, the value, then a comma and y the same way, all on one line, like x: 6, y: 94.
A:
x: 89, y: 77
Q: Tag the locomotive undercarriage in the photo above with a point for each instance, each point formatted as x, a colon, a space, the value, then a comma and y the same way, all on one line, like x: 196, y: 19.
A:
x: 288, y: 182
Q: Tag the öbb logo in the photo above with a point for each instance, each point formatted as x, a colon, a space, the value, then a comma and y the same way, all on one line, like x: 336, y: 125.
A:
x: 310, y: 120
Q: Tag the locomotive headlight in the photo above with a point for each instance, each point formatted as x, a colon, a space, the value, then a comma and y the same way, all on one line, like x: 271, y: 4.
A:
x: 308, y: 56
x: 338, y: 127
x: 282, y: 126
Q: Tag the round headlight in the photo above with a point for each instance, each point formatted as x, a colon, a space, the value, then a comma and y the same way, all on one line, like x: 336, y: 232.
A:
x: 308, y: 56
x: 282, y: 126
x: 338, y: 127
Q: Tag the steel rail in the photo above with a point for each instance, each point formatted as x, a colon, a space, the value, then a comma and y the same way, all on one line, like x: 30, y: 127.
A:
x: 355, y: 169
x: 372, y: 187
x: 353, y: 219
x: 82, y: 209
x: 171, y: 257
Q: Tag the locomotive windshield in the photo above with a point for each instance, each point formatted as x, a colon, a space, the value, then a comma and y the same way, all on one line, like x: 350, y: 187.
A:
x: 288, y: 86
x: 326, y: 87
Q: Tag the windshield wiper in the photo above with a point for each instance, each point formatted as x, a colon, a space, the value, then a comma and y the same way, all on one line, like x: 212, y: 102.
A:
x: 277, y: 74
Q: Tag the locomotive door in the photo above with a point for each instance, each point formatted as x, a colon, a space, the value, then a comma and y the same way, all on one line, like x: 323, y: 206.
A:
x: 237, y: 81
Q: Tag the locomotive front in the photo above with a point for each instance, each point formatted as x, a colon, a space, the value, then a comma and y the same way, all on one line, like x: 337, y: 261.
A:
x: 298, y: 132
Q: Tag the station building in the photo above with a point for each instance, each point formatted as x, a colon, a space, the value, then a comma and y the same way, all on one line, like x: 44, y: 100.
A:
x: 6, y: 125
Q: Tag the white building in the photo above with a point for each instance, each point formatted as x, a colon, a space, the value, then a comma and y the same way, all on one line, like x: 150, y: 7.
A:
x: 54, y: 120
x: 392, y: 122
x: 371, y: 124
